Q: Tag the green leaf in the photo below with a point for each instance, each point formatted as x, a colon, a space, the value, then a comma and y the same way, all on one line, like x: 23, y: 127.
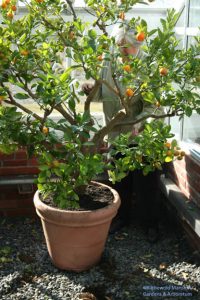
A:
x: 44, y: 168
x: 152, y: 32
x: 168, y: 158
x: 22, y: 38
x: 40, y: 187
x: 188, y: 111
x: 21, y: 96
x: 92, y: 33
x: 65, y: 75
x: 88, y: 144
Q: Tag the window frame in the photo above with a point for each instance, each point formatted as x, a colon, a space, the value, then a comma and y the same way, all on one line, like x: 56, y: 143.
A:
x: 186, y: 31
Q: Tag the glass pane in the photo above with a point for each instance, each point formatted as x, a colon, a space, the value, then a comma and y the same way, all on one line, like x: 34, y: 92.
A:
x: 191, y: 132
x: 176, y: 127
x: 191, y: 128
x: 181, y: 20
x: 191, y: 40
x: 194, y: 13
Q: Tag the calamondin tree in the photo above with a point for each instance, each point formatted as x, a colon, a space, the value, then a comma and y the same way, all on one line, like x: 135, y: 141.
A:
x: 69, y: 150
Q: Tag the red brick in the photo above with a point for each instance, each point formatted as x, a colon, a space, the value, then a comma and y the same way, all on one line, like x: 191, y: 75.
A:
x: 17, y: 203
x: 19, y: 212
x: 194, y: 183
x: 194, y: 194
x: 21, y: 154
x: 32, y: 162
x: 6, y: 156
x: 188, y: 190
x: 192, y: 164
x: 18, y: 170
x: 14, y: 163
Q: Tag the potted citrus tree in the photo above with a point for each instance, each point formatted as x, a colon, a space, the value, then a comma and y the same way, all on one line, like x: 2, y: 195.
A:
x: 69, y: 150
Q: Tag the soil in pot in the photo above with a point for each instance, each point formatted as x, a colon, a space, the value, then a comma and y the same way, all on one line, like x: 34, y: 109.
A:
x: 94, y: 197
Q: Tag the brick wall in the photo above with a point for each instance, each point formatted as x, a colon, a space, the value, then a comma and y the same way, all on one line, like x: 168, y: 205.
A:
x: 13, y: 201
x: 186, y: 174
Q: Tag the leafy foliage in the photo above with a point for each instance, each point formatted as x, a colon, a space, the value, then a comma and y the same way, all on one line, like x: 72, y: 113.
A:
x: 31, y: 50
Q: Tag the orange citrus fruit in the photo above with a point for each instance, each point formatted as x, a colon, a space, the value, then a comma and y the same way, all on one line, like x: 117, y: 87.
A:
x: 129, y: 92
x: 45, y: 130
x: 176, y: 153
x: 24, y: 52
x: 100, y: 57
x: 10, y: 15
x: 71, y: 35
x: 163, y: 71
x: 13, y: 7
x: 140, y: 36
x: 158, y: 104
x: 127, y: 68
x: 3, y: 5
x: 122, y: 15
x: 169, y: 153
x: 168, y: 144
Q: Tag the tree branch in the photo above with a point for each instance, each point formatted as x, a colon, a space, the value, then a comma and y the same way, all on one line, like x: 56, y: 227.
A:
x: 98, y: 137
x: 31, y: 94
x: 65, y: 114
x: 144, y: 116
x: 91, y: 95
x: 13, y: 102
x: 70, y: 3
x: 122, y: 98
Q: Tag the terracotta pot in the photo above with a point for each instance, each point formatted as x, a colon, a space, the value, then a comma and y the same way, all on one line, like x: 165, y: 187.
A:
x: 76, y: 239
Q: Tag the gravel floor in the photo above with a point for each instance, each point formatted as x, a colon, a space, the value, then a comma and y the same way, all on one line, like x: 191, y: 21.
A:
x: 131, y: 267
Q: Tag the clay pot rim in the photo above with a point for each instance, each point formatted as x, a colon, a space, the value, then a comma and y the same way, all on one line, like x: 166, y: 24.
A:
x: 116, y: 202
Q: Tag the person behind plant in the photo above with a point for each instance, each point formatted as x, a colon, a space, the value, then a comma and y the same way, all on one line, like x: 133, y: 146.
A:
x: 129, y: 47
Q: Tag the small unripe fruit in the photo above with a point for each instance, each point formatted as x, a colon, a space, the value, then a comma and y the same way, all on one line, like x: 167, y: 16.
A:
x: 197, y: 79
x: 180, y: 157
x: 127, y: 68
x: 100, y: 57
x: 158, y: 104
x: 122, y: 15
x: 13, y: 7
x: 168, y: 145
x: 169, y: 153
x: 176, y: 153
x: 3, y: 5
x: 157, y: 165
x: 1, y: 99
x: 163, y: 71
x: 24, y: 52
x: 129, y: 92
x: 140, y: 36
x: 182, y: 153
x: 55, y: 163
x: 71, y: 35
x: 10, y: 15
x: 45, y: 130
